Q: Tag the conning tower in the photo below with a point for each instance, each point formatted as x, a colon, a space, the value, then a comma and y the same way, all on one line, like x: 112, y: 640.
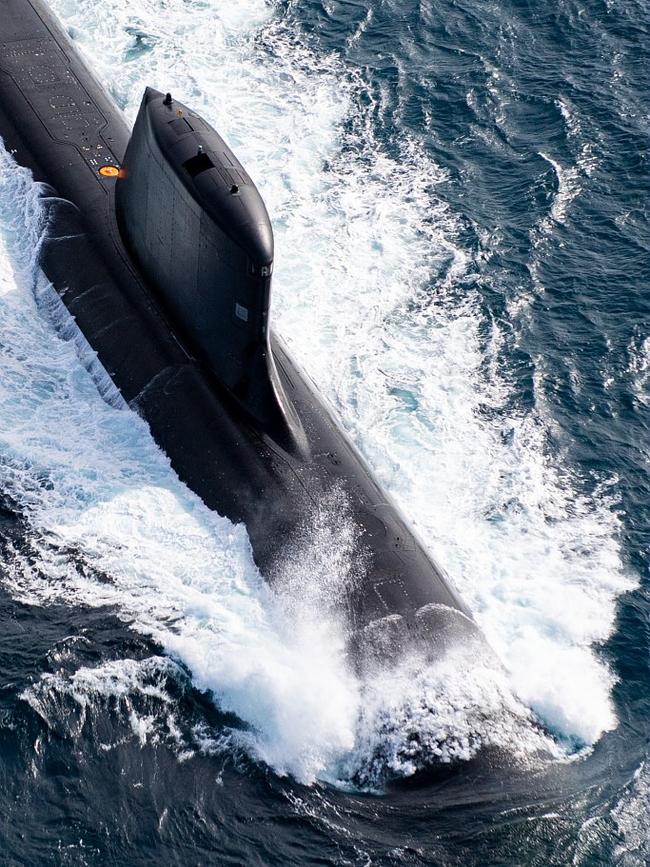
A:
x: 199, y: 230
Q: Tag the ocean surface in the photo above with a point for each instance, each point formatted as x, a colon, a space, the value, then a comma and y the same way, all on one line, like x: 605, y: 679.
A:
x: 459, y: 192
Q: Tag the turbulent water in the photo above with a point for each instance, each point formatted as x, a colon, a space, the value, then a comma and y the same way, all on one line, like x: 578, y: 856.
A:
x: 459, y: 194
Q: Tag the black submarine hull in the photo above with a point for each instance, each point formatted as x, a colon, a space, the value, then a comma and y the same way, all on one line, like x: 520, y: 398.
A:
x: 259, y: 446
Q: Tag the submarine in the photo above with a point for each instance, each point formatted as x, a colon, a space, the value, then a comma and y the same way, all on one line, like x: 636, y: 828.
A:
x: 161, y: 248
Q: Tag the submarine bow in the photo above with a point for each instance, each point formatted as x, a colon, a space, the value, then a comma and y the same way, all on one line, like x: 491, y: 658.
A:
x: 160, y: 246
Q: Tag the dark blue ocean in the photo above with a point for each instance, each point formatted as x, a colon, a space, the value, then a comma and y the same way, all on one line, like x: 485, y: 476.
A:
x: 459, y: 194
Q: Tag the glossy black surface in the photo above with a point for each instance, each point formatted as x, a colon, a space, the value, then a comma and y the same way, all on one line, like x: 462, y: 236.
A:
x: 269, y: 469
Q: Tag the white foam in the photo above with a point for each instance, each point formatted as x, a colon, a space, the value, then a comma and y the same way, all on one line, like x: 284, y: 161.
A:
x: 445, y: 711
x: 66, y: 702
x: 586, y: 159
x: 568, y: 187
x: 369, y: 273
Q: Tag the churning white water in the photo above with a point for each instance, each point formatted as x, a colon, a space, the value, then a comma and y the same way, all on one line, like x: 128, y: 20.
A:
x: 358, y: 236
